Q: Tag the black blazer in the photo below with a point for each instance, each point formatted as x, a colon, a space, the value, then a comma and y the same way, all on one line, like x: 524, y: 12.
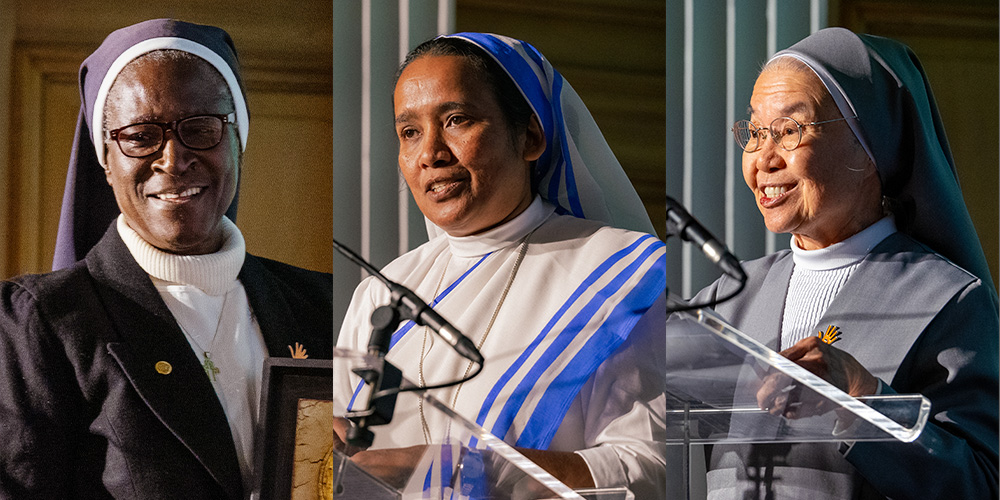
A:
x: 84, y: 413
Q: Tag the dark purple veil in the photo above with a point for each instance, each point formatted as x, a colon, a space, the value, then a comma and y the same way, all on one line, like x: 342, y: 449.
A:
x: 88, y: 202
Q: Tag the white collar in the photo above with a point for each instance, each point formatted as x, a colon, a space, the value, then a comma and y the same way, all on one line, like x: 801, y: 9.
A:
x: 847, y: 252
x: 213, y: 273
x: 504, y: 235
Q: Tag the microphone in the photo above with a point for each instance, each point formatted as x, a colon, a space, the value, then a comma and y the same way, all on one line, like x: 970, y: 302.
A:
x: 681, y: 223
x: 423, y: 315
x: 413, y: 307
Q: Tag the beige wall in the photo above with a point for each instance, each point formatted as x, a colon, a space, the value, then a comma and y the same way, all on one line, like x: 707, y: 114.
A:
x: 613, y: 53
x: 287, y: 180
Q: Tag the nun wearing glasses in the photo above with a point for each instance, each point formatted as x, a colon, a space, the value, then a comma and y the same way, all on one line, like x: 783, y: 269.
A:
x: 135, y: 371
x: 541, y: 254
x: 885, y: 288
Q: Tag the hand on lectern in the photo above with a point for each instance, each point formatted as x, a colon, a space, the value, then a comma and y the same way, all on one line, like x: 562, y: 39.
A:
x: 780, y: 395
x: 394, y: 466
x: 340, y: 428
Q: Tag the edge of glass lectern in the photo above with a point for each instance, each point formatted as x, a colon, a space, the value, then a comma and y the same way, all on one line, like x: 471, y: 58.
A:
x: 463, y: 460
x: 714, y: 376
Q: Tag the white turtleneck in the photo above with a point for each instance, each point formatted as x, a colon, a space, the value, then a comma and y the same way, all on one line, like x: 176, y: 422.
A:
x: 819, y: 275
x: 504, y: 235
x: 211, y: 308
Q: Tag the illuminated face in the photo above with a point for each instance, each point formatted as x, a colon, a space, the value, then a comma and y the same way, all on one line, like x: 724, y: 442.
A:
x: 175, y: 198
x: 465, y: 170
x: 826, y: 189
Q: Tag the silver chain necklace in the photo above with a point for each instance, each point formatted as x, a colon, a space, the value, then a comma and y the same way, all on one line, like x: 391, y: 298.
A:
x: 489, y: 327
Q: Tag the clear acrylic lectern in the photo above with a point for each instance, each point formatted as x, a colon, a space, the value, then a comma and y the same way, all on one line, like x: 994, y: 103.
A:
x: 724, y: 387
x: 462, y: 461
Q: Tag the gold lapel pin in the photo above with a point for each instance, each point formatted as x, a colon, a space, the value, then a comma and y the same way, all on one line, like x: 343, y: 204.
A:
x: 299, y: 352
x: 831, y: 335
x: 163, y: 368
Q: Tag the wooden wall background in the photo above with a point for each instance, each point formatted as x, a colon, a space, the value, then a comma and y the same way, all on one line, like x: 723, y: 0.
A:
x: 612, y: 52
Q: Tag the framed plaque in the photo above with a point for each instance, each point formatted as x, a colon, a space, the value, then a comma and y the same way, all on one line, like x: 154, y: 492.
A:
x: 294, y: 441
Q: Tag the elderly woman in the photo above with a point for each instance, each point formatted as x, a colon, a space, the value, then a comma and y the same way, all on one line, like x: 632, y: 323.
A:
x: 506, y: 163
x: 844, y: 150
x: 135, y: 372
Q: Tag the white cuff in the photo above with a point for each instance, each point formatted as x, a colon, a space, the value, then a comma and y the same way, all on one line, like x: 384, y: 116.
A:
x: 604, y: 465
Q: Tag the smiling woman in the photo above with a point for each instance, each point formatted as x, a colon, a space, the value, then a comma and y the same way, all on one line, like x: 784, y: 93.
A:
x: 174, y: 196
x: 822, y: 188
x: 155, y: 338
x: 883, y: 253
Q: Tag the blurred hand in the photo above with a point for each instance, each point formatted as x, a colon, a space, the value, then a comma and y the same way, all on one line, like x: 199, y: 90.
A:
x: 393, y: 465
x: 340, y: 427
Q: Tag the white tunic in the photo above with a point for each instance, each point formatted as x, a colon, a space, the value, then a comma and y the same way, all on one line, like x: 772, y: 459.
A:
x: 580, y: 286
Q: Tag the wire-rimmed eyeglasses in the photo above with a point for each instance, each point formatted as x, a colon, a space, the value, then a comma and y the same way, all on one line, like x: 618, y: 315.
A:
x: 199, y: 132
x: 784, y: 131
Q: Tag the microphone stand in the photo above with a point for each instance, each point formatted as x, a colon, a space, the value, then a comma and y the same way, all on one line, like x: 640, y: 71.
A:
x: 682, y: 224
x: 382, y: 377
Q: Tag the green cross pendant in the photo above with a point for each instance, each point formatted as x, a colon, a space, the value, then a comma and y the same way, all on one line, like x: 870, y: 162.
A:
x: 210, y: 369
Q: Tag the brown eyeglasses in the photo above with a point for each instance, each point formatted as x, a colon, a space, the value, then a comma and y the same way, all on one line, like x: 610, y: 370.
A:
x: 199, y: 132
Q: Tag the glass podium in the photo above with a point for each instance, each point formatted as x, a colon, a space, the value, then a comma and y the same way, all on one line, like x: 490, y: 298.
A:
x: 721, y: 387
x: 724, y: 387
x: 462, y: 461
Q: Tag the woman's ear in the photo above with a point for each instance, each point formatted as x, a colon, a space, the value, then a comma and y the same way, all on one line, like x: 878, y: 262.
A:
x: 107, y: 169
x: 534, y: 140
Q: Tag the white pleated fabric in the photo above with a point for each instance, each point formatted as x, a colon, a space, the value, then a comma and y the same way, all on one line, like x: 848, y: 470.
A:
x: 819, y: 275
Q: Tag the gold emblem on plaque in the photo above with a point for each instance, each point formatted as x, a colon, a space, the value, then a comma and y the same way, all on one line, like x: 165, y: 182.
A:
x: 312, y: 459
x: 326, y: 477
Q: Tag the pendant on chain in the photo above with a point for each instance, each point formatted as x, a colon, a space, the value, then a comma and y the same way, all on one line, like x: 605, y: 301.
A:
x: 210, y: 369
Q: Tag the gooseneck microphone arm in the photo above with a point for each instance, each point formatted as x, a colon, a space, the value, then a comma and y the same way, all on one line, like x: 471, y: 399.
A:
x: 407, y: 305
x: 681, y: 223
x: 384, y: 379
x: 410, y: 306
